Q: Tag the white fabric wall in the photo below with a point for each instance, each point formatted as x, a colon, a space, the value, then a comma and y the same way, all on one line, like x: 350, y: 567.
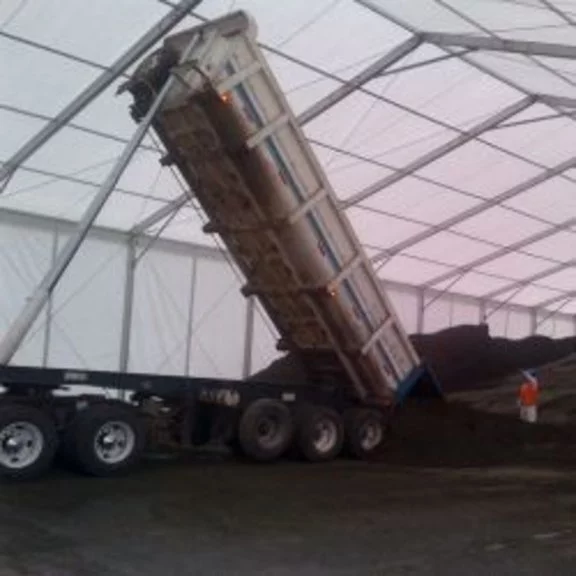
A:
x: 219, y: 325
x: 25, y: 255
x: 520, y: 323
x: 162, y: 289
x: 264, y: 341
x: 555, y: 326
x: 88, y: 305
x: 406, y: 303
x: 179, y: 291
x: 437, y: 313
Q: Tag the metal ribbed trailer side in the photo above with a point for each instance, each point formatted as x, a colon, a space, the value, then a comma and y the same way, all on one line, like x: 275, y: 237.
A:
x: 230, y: 131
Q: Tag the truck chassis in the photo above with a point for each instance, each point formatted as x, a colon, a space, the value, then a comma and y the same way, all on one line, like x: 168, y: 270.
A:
x: 103, y: 435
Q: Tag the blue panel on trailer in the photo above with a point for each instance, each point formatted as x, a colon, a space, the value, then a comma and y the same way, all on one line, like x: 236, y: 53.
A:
x: 421, y: 383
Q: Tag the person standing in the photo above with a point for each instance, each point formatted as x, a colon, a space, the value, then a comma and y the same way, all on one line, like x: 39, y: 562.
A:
x: 528, y: 397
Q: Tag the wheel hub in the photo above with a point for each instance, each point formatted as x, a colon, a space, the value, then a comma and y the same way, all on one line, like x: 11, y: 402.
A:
x: 268, y: 430
x: 326, y: 436
x: 114, y: 442
x: 371, y: 435
x: 21, y: 444
x: 13, y: 444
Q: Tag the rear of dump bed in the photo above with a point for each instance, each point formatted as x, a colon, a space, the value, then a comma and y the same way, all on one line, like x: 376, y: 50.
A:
x: 229, y: 130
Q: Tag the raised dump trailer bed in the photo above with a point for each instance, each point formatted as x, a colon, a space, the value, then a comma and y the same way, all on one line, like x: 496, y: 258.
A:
x: 227, y: 127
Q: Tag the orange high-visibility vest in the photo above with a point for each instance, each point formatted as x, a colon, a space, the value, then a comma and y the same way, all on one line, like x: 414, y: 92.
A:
x: 529, y: 394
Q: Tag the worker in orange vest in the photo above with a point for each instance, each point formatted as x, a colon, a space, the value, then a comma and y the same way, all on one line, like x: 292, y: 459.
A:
x: 528, y: 398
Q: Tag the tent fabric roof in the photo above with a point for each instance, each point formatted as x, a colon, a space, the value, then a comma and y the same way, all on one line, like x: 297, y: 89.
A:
x: 455, y: 162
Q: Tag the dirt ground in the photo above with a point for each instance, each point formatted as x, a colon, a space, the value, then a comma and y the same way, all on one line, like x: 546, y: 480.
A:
x: 456, y: 491
x: 213, y: 515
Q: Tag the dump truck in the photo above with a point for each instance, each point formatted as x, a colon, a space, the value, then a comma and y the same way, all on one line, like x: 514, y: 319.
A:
x: 227, y: 128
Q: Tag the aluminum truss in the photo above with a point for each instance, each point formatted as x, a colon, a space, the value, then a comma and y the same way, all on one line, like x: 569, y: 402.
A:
x: 41, y: 296
x: 107, y: 77
x: 492, y: 43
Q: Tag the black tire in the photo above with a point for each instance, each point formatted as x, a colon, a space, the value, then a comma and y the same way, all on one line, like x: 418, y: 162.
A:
x: 320, y: 433
x: 87, y: 441
x: 38, y: 437
x: 265, y: 431
x: 365, y: 432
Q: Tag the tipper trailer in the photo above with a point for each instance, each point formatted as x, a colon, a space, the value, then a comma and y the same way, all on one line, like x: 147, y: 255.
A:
x: 211, y: 98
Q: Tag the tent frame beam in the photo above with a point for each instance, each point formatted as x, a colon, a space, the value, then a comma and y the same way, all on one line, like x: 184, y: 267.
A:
x: 363, y: 77
x: 20, y: 327
x: 479, y: 209
x: 108, y: 76
x: 520, y: 284
x: 448, y: 42
x: 476, y: 24
x: 437, y: 153
x: 165, y: 211
x: 499, y: 253
x: 492, y: 44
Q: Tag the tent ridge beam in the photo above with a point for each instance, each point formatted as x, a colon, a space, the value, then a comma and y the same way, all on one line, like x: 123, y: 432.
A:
x: 437, y: 153
x: 369, y: 73
x: 493, y: 44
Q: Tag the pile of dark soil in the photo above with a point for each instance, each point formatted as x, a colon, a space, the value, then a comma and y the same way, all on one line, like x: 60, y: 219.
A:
x: 440, y: 433
x: 462, y: 357
x: 465, y: 356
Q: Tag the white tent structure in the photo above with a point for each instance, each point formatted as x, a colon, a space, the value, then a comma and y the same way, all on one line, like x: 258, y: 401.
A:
x: 447, y: 128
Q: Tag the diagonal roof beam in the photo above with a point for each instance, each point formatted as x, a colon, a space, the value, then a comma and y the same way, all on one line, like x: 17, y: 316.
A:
x: 475, y: 210
x: 555, y: 102
x: 137, y: 50
x: 551, y: 70
x: 371, y: 93
x: 530, y: 280
x: 156, y: 148
x: 492, y: 44
x: 502, y: 252
x: 161, y: 213
x: 568, y: 296
x: 563, y: 15
x: 437, y: 153
x: 369, y: 73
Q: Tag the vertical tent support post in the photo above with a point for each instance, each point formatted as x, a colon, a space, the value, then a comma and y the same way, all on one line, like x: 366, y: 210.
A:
x: 190, y: 323
x: 97, y: 87
x: 420, y: 312
x: 128, y: 304
x: 48, y: 328
x: 20, y: 327
x: 483, y: 312
x: 248, y: 337
x: 533, y: 321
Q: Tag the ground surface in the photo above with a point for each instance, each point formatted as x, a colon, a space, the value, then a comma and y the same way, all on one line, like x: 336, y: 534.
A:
x: 224, y: 517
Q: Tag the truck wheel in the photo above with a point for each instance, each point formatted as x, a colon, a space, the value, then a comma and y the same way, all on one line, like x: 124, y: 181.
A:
x: 320, y: 434
x: 365, y: 432
x: 265, y: 430
x: 106, y: 439
x: 28, y: 441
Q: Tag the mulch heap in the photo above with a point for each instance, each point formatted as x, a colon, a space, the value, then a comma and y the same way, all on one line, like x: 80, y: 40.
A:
x: 450, y: 433
x: 464, y: 357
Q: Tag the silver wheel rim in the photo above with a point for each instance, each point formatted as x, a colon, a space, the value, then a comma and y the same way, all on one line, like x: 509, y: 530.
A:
x: 268, y: 430
x: 325, y: 436
x: 21, y: 444
x: 114, y: 442
x: 371, y: 435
